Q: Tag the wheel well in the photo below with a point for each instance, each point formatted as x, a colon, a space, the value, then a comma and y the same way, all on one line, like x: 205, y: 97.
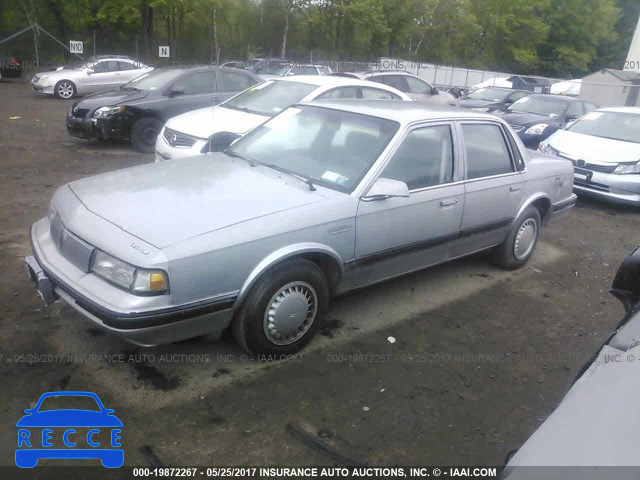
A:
x: 327, y: 264
x: 544, y: 207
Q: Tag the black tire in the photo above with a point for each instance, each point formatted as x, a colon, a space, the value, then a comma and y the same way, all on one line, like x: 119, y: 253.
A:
x: 506, y: 255
x: 250, y: 322
x: 65, y: 89
x: 144, y: 134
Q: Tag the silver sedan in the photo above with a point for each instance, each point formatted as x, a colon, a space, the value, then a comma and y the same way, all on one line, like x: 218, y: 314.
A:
x: 322, y: 199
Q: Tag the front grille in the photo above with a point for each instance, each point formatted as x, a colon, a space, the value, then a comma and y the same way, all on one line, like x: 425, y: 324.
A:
x: 74, y: 249
x: 517, y: 128
x: 594, y: 167
x: 79, y: 112
x: 178, y: 139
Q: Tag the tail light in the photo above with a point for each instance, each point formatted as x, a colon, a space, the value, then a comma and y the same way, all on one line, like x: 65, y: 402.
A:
x: 14, y: 61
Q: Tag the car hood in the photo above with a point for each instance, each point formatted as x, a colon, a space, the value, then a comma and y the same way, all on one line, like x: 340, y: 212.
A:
x: 594, y: 149
x: 204, y: 122
x: 476, y: 103
x: 111, y: 97
x: 69, y: 418
x: 166, y: 203
x: 529, y: 119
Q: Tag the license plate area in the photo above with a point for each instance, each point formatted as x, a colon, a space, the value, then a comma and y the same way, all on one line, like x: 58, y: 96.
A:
x: 582, y: 174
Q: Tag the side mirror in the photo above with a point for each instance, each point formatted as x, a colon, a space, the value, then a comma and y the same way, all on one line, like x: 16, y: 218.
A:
x: 433, y: 91
x: 220, y: 141
x: 174, y: 92
x: 387, y: 188
x: 571, y: 118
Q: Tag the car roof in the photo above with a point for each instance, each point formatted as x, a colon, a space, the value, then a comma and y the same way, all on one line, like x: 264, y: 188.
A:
x: 401, y: 112
x: 635, y: 110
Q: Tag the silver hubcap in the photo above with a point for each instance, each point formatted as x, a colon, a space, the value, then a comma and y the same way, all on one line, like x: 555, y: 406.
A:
x: 290, y: 313
x: 65, y: 90
x: 525, y: 239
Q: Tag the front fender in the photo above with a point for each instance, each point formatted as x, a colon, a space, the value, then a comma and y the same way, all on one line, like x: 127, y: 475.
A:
x: 283, y: 254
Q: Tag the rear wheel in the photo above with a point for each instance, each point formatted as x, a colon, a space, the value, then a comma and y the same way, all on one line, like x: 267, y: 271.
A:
x: 283, y: 310
x: 64, y: 89
x: 144, y: 134
x: 518, y: 247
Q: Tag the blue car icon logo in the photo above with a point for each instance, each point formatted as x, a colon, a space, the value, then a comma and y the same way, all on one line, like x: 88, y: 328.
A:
x: 55, y: 429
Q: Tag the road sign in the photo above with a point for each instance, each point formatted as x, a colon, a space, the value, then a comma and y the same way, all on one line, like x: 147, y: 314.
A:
x: 76, y: 47
x: 163, y: 51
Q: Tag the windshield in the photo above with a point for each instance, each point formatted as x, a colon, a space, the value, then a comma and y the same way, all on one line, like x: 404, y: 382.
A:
x: 155, y: 80
x: 270, y: 98
x: 490, y: 94
x: 332, y: 148
x: 613, y: 125
x: 546, y: 106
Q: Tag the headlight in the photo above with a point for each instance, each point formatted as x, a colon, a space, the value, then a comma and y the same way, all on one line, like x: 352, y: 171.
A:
x: 138, y: 280
x: 481, y: 109
x: 536, y: 129
x: 548, y: 149
x: 627, y: 168
x: 104, y: 112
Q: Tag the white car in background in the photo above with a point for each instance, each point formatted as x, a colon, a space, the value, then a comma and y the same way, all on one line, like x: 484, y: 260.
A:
x: 96, y: 75
x: 190, y: 134
x: 604, y: 147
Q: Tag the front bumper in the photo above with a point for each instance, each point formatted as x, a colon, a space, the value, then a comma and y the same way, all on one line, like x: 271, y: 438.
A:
x: 149, y: 324
x: 104, y: 128
x: 621, y: 189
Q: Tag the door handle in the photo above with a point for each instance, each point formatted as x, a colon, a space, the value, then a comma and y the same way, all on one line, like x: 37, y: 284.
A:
x: 448, y: 202
x: 514, y: 189
x: 559, y: 182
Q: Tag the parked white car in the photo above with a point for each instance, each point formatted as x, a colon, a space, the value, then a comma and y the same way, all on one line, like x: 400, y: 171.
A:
x: 188, y: 134
x: 604, y: 147
x: 93, y: 76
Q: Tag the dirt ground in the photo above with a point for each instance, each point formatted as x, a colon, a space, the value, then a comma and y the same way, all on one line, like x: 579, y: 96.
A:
x: 481, y: 357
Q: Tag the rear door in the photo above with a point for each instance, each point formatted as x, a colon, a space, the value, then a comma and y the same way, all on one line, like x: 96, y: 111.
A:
x: 230, y: 83
x: 494, y: 188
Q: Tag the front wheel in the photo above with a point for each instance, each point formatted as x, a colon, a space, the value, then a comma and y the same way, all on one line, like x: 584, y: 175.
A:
x: 518, y: 247
x: 144, y: 134
x: 64, y: 89
x: 283, y: 310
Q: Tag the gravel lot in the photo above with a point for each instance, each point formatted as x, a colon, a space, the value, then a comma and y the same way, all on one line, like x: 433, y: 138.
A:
x: 481, y: 356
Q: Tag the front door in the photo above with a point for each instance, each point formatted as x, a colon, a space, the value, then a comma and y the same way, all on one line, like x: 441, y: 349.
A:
x: 398, y: 235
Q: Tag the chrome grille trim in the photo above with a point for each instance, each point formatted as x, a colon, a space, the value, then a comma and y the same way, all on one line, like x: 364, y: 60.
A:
x: 178, y: 139
x: 73, y: 248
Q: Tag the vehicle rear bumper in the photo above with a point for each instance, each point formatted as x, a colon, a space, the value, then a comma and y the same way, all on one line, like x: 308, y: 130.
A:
x: 153, y: 326
x: 562, y: 208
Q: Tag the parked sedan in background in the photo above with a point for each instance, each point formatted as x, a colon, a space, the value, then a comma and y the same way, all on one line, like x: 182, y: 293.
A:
x: 537, y: 116
x: 325, y: 197
x: 406, y: 82
x: 191, y: 133
x: 89, y: 77
x: 10, y: 67
x: 490, y: 99
x: 592, y: 427
x: 138, y: 110
x: 604, y: 147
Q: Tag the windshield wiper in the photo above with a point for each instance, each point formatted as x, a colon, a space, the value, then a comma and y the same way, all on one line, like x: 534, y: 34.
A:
x: 306, y: 180
x: 135, y: 89
x: 233, y: 154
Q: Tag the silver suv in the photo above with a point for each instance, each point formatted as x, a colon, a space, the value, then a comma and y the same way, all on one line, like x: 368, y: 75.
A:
x: 414, y: 86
